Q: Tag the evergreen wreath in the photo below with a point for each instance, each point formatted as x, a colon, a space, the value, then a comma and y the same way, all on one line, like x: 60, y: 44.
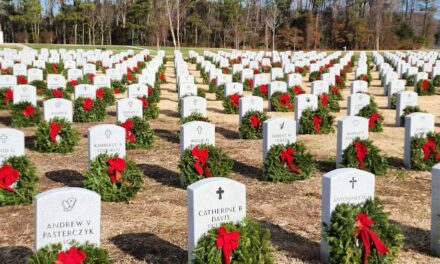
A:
x: 150, y: 109
x: 87, y: 253
x: 194, y: 117
x: 248, y: 242
x: 25, y: 114
x: 252, y: 125
x: 317, y: 121
x: 329, y: 102
x: 231, y: 103
x: 375, y: 119
x: 410, y: 80
x: 118, y: 87
x: 436, y: 81
x: 362, y: 154
x: 18, y: 181
x: 236, y: 77
x: 57, y: 93
x: 41, y: 86
x: 212, y: 86
x: 138, y: 133
x: 21, y: 79
x: 54, y: 68
x: 248, y: 84
x: 115, y: 179
x: 153, y: 94
x: 87, y: 79
x: 70, y: 86
x: 301, y: 70
x: 6, y: 98
x: 282, y: 102
x: 365, y: 77
x: 265, y: 69
x: 88, y: 110
x: 340, y: 82
x: 286, y: 163
x: 203, y: 161
x: 261, y: 90
x: 425, y: 87
x: 409, y: 110
x: 425, y: 151
x: 57, y: 135
x: 296, y: 90
x: 106, y: 95
x: 201, y: 92
x: 349, y: 223
x: 393, y: 101
x: 220, y: 92
x: 315, y: 76
x: 335, y: 93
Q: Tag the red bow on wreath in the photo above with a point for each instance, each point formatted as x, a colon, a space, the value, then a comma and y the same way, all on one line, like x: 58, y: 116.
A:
x: 285, y: 101
x: 324, y: 100
x: 144, y: 101
x: 263, y: 89
x: 162, y: 77
x: 87, y: 104
x: 235, y: 98
x: 365, y: 235
x: 71, y: 256
x: 7, y: 177
x: 317, y: 123
x: 298, y: 90
x: 200, y: 165
x: 8, y: 96
x: 129, y: 77
x: 339, y: 79
x: 250, y: 82
x: 54, y: 130
x: 425, y: 84
x: 100, y: 93
x: 255, y: 121
x: 54, y: 68
x: 115, y: 167
x: 73, y: 83
x: 361, y: 153
x: 129, y: 135
x: 28, y: 111
x: 57, y: 93
x: 373, y: 118
x: 150, y: 90
x: 287, y: 157
x: 335, y: 90
x: 428, y: 148
x: 365, y: 78
x: 227, y: 241
x: 116, y: 90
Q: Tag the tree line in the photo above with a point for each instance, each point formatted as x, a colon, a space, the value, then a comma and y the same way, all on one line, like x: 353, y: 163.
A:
x: 278, y: 24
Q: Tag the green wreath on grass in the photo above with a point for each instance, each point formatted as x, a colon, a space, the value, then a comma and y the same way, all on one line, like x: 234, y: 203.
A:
x: 88, y: 110
x: 317, y: 121
x: 220, y: 92
x: 115, y: 179
x: 436, y: 81
x: 335, y: 93
x: 138, y: 133
x: 250, y: 243
x: 57, y: 93
x: 425, y: 151
x: 41, y: 86
x: 248, y: 84
x: 425, y: 87
x: 410, y: 80
x: 6, y: 98
x: 87, y: 253
x: 362, y: 154
x: 57, y: 135
x: 118, y: 86
x: 365, y: 77
x: 329, y: 102
x: 18, y: 181
x: 212, y: 86
x: 347, y: 247
x: 286, y: 163
x: 375, y: 119
x: 231, y: 103
x: 261, y: 90
x: 25, y: 114
x: 150, y: 109
x: 203, y: 161
x: 106, y: 95
x: 315, y: 76
x: 409, y: 110
x: 252, y: 125
x: 282, y: 102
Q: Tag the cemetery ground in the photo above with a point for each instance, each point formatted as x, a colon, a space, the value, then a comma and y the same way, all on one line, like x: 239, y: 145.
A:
x: 152, y: 228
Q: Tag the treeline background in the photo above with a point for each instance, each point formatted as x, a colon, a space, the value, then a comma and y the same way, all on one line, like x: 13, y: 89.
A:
x: 279, y: 24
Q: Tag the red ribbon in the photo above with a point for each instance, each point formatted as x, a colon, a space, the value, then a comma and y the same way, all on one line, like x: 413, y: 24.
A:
x: 71, y: 256
x: 129, y: 135
x: 250, y: 82
x: 162, y: 77
x: 263, y: 89
x: 373, y: 118
x: 298, y: 90
x: 91, y: 77
x: 298, y: 69
x: 367, y: 235
x: 7, y: 177
x: 335, y: 90
x: 227, y: 241
x: 115, y: 167
x: 21, y: 79
x: 73, y: 83
x: 150, y: 90
x: 100, y: 93
x: 285, y: 101
x: 129, y: 76
x: 54, y: 68
x: 200, y: 165
x: 339, y: 79
x: 324, y: 100
x: 87, y: 104
x: 8, y: 96
x: 361, y: 153
x: 54, y: 130
x: 235, y: 98
x: 365, y: 78
x: 317, y: 123
x: 255, y: 121
x: 287, y: 157
x: 28, y: 111
x: 430, y: 148
x: 425, y: 84
x: 116, y: 90
x: 57, y: 93
x: 144, y: 101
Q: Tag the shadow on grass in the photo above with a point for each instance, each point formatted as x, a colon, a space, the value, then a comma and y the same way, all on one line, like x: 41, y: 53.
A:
x: 69, y: 178
x: 170, y: 113
x: 162, y: 175
x: 150, y: 248
x: 416, y: 239
x: 167, y: 135
x: 247, y: 170
x: 15, y: 255
x: 295, y: 245
x: 227, y: 133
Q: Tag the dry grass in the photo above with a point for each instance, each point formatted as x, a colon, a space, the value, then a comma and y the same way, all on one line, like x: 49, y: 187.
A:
x: 152, y: 227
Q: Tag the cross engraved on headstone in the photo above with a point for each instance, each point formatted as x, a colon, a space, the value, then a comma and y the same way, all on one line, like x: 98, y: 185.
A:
x: 282, y: 126
x: 220, y: 191
x: 195, y: 101
x: 108, y: 133
x: 3, y: 138
x: 355, y: 123
x: 352, y: 181
x: 199, y: 130
x: 57, y: 104
x: 130, y: 104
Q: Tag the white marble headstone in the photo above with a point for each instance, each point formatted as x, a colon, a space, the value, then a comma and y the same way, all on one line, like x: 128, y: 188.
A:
x: 277, y: 131
x: 58, y: 107
x: 349, y: 128
x: 356, y: 102
x: 192, y: 104
x: 196, y: 133
x: 106, y: 138
x: 11, y: 143
x: 128, y: 108
x: 405, y: 99
x: 416, y: 125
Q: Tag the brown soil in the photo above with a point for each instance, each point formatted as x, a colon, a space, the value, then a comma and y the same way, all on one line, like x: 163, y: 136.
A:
x: 152, y: 228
